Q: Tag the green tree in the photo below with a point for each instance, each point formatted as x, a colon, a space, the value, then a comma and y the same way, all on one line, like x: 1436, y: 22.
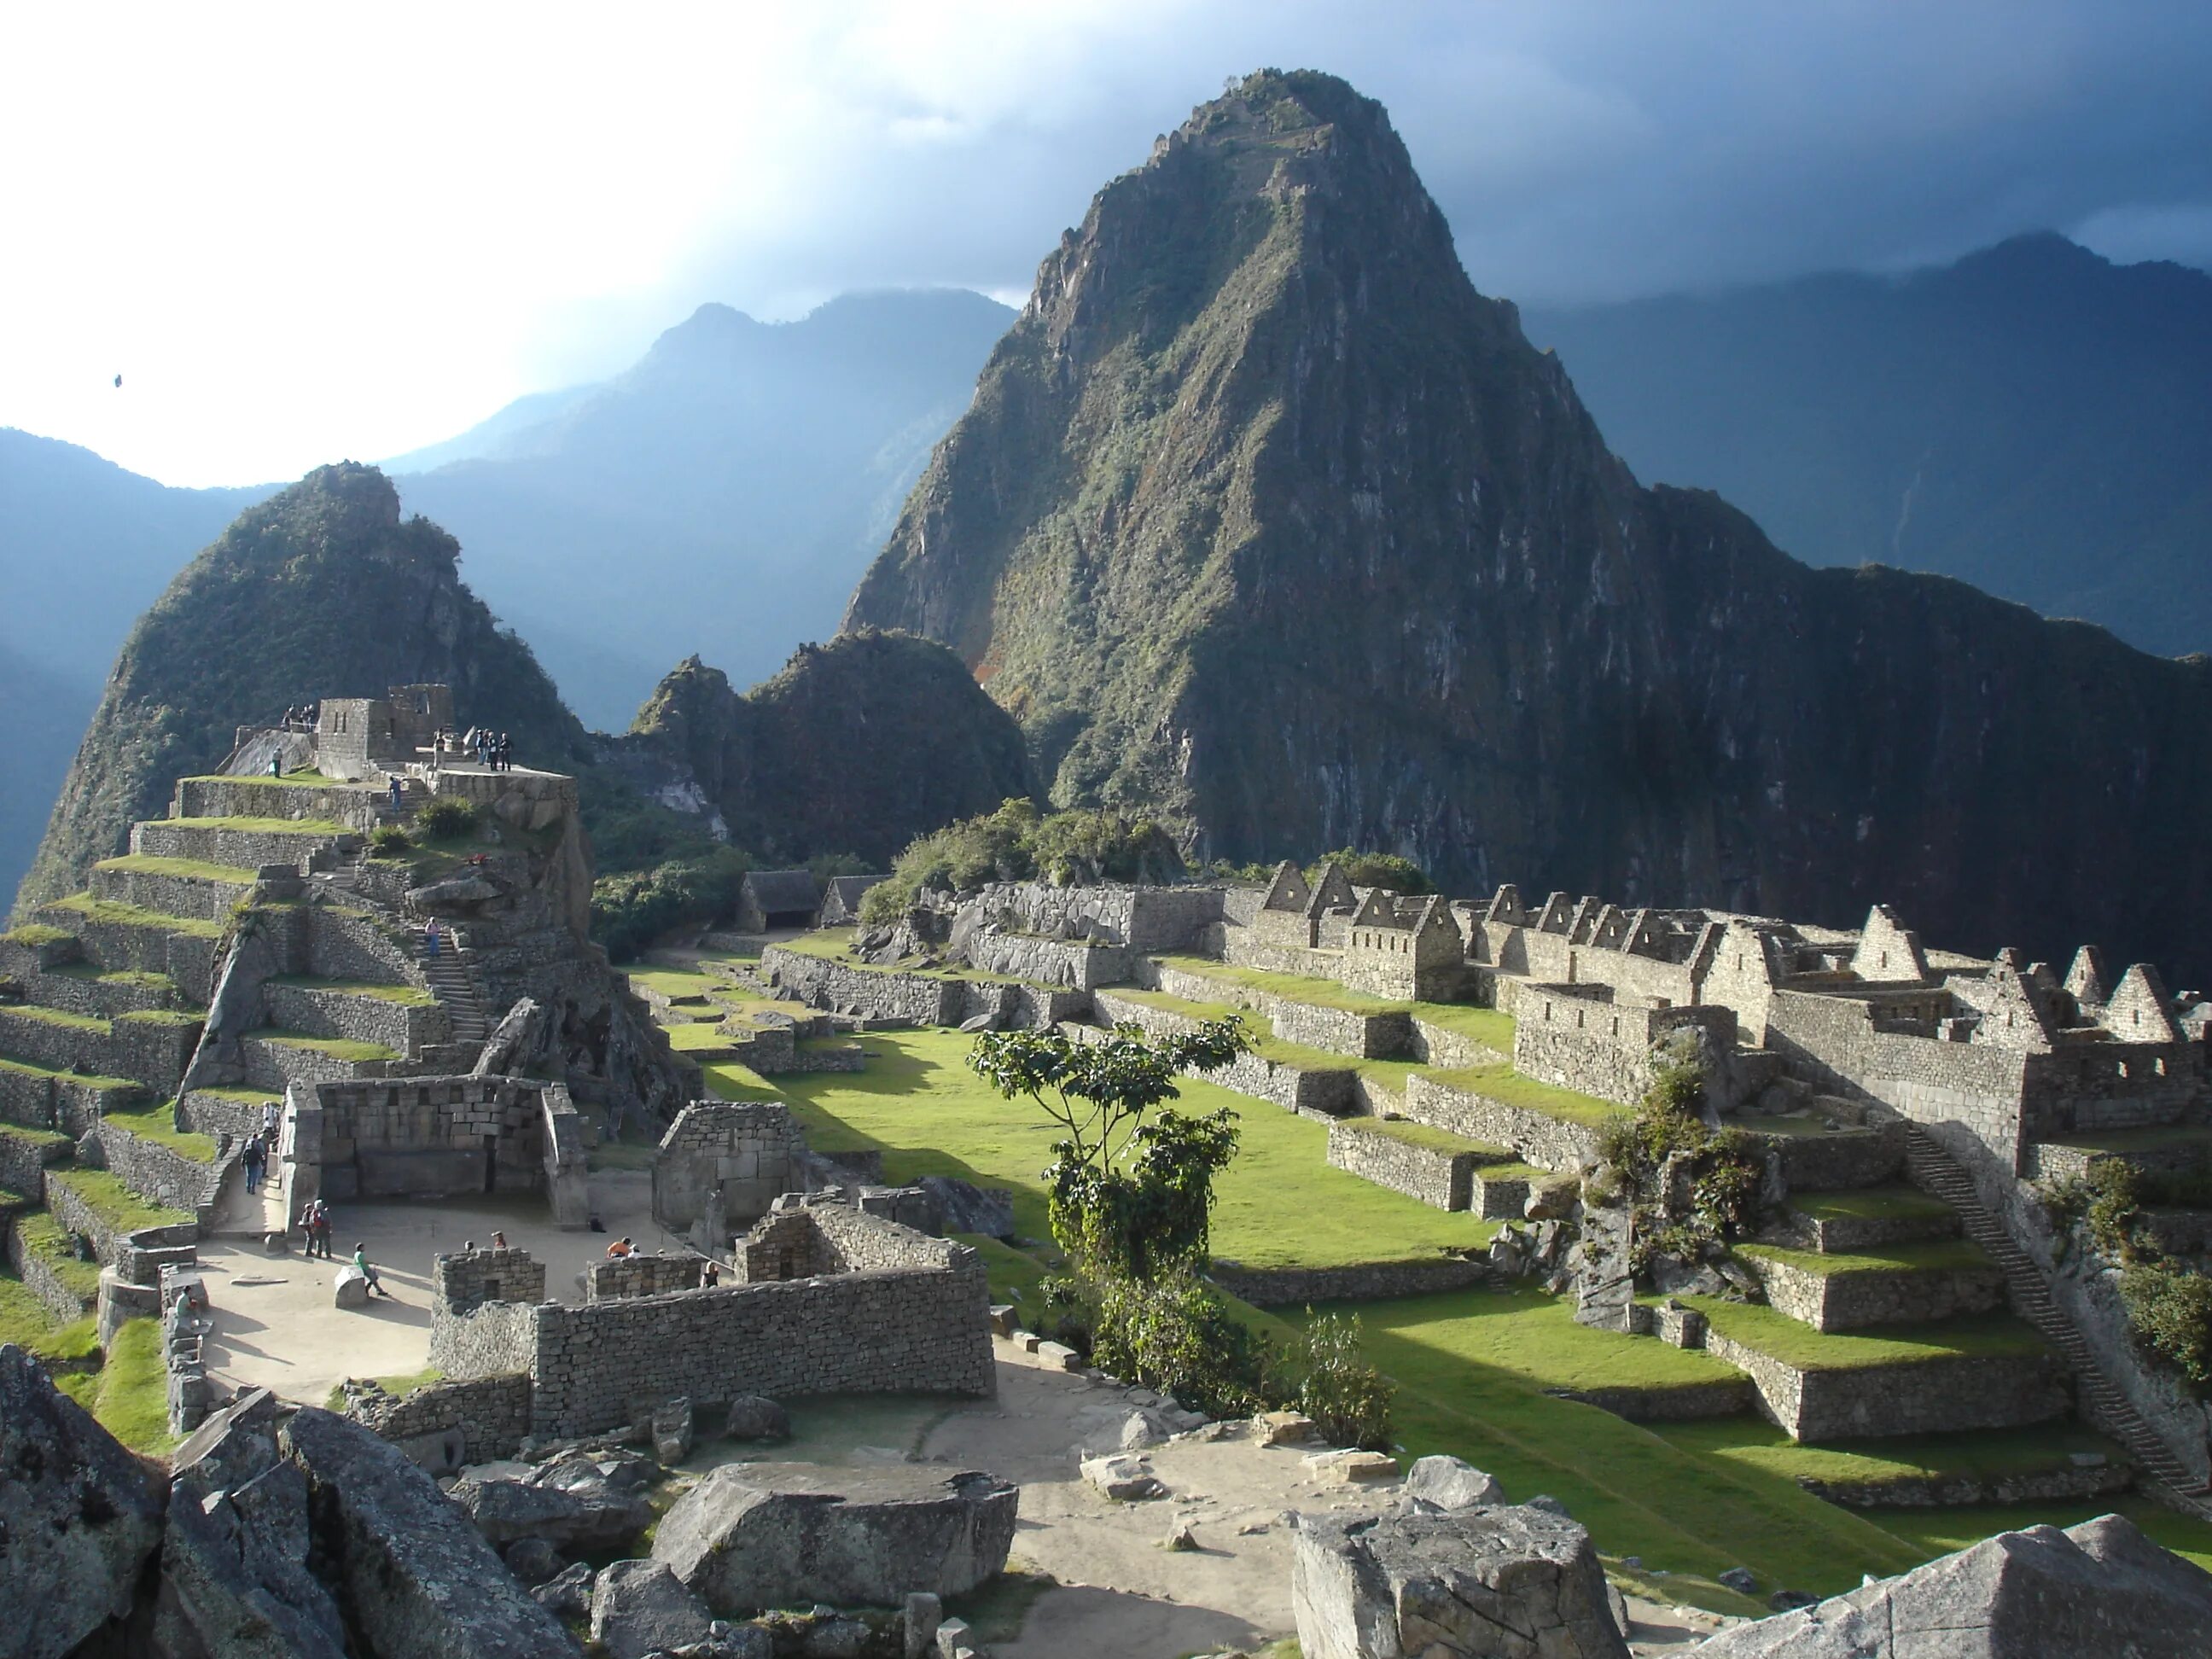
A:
x: 1131, y: 1184
x: 1387, y: 870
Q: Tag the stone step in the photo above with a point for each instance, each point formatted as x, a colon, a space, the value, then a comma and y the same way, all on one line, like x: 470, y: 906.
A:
x: 1902, y: 1284
x: 1865, y: 1217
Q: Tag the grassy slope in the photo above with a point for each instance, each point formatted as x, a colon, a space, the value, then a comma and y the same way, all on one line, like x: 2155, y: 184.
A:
x: 1765, y: 1331
x: 158, y: 1123
x: 117, y: 1205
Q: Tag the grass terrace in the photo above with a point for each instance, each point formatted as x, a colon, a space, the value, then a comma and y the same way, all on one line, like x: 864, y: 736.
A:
x: 44, y: 1236
x: 158, y: 1124
x: 35, y: 1136
x: 1940, y: 1531
x: 1868, y: 1204
x: 119, y: 1206
x: 727, y: 1080
x: 408, y: 996
x: 60, y: 1016
x: 930, y: 1115
x: 113, y: 912
x: 1939, y: 1255
x: 1428, y: 1139
x: 309, y: 780
x: 1390, y: 1074
x: 159, y: 1016
x: 698, y: 1037
x: 26, y: 1322
x: 129, y: 1394
x: 1502, y: 1083
x: 24, y: 1067
x: 675, y: 983
x: 833, y: 945
x: 336, y: 1048
x: 1981, y: 1336
x: 33, y: 934
x: 145, y: 863
x: 1484, y: 1025
x: 137, y: 979
x: 319, y: 827
x: 1986, y: 1454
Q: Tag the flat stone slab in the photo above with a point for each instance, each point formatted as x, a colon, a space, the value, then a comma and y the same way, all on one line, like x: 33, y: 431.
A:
x: 753, y: 1535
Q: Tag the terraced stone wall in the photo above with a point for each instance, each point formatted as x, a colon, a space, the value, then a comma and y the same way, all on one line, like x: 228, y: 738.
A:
x: 916, y: 999
x: 160, y: 1174
x: 1285, y: 1287
x: 432, y: 1137
x: 42, y: 1100
x: 1935, y: 1396
x: 24, y: 1160
x: 1434, y: 1045
x: 1855, y: 1300
x: 1143, y: 919
x: 1603, y: 1046
x: 39, y: 1276
x: 23, y: 961
x: 1549, y: 1143
x: 1366, y: 1037
x: 98, y: 999
x: 206, y: 844
x: 153, y: 1052
x: 490, y: 1413
x: 404, y: 1027
x: 132, y: 1254
x: 1435, y: 1176
x: 1324, y: 1096
x: 202, y: 899
x: 642, y: 1275
x: 344, y: 944
x: 1046, y: 960
x: 116, y: 947
x: 1841, y: 1160
x: 248, y: 798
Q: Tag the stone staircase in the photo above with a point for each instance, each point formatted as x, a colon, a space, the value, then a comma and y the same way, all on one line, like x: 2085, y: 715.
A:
x: 2099, y: 1399
x: 450, y: 979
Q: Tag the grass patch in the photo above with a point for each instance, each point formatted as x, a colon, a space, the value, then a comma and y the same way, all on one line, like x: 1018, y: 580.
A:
x: 241, y: 1097
x: 1936, y: 1255
x: 1890, y: 1203
x: 44, y: 1237
x: 33, y: 935
x: 131, y: 1400
x: 1987, y: 1454
x: 144, y: 863
x: 321, y: 827
x: 1938, y: 1531
x: 1502, y: 1083
x: 104, y: 1194
x: 158, y: 1123
x: 1472, y: 1367
x: 1426, y: 1137
x: 60, y: 1016
x: 90, y: 1080
x: 675, y: 984
x: 172, y: 1016
x: 727, y: 1080
x: 1980, y: 1336
x: 1488, y: 1026
x: 929, y: 1114
x: 336, y: 1048
x: 699, y: 1037
x: 30, y: 1324
x: 400, y: 1386
x: 113, y: 913
x: 1291, y: 987
x: 35, y: 1136
x: 407, y: 996
x: 289, y: 780
x: 2120, y: 1142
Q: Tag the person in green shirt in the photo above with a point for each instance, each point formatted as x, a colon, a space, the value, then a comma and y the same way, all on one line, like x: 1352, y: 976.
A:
x: 375, y: 1284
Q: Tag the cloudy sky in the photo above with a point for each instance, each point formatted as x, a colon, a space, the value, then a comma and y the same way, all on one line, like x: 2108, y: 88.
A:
x: 300, y: 232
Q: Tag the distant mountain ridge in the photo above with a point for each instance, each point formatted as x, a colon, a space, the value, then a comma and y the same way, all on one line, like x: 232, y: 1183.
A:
x: 1264, y: 521
x: 719, y: 498
x: 2032, y: 419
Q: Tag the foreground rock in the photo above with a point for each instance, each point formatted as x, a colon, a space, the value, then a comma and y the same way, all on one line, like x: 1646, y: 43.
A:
x: 639, y: 1608
x: 754, y: 1535
x: 417, y: 1580
x: 2099, y: 1588
x: 580, y: 1504
x: 79, y: 1517
x: 1512, y: 1582
x: 1450, y: 1483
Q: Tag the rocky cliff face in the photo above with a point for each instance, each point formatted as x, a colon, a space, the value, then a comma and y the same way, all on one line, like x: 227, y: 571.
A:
x: 857, y: 746
x: 1265, y: 518
x: 321, y: 591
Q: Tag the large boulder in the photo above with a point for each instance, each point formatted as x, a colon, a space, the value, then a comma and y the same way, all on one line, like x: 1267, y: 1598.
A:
x: 754, y: 1535
x: 1450, y: 1483
x: 79, y: 1517
x: 583, y: 1506
x: 418, y: 1581
x: 639, y: 1608
x: 234, y: 1578
x: 2101, y: 1588
x: 1510, y: 1580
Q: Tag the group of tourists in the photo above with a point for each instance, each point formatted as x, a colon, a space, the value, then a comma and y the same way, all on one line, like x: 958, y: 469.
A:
x: 260, y: 1149
x: 495, y: 750
x: 302, y: 716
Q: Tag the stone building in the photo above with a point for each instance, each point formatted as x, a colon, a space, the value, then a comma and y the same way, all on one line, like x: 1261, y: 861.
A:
x: 772, y: 901
x: 840, y: 899
x: 722, y: 1166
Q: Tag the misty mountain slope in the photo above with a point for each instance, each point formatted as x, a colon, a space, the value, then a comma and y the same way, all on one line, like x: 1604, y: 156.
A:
x: 84, y: 547
x: 718, y: 499
x: 1265, y: 520
x: 2032, y: 419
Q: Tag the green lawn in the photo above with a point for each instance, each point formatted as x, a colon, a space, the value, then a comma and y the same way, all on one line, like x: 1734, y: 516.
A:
x: 34, y: 934
x: 674, y: 983
x: 1278, y: 1205
x: 113, y: 913
x: 1868, y: 1204
x: 319, y: 827
x: 1936, y: 1255
x: 158, y: 1123
x: 1487, y: 1026
x: 1503, y: 1083
x: 336, y: 1048
x: 60, y: 1016
x: 176, y: 1016
x: 700, y: 1037
x: 1426, y: 1137
x: 730, y: 1081
x: 289, y: 780
x: 410, y: 996
x: 44, y: 1236
x: 1484, y: 1025
x: 1938, y: 1531
x: 144, y: 863
x: 131, y: 1396
x: 1472, y: 1366
x: 1979, y: 1336
x: 27, y: 1322
x: 24, y: 1067
x: 117, y: 1205
x: 1986, y: 1453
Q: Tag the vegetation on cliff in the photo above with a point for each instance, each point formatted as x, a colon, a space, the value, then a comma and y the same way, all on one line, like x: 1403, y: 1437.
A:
x: 1015, y: 844
x: 1265, y: 523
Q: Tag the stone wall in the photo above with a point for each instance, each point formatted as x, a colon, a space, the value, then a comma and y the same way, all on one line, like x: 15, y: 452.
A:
x: 642, y: 1275
x: 868, y: 993
x: 1433, y: 1045
x: 262, y: 798
x: 437, y: 1136
x: 403, y: 1027
x: 247, y: 849
x: 1370, y: 1036
x: 1840, y: 1159
x: 26, y: 1154
x: 345, y: 943
x: 1598, y: 1046
x: 39, y: 1277
x: 201, y: 898
x: 1324, y: 1096
x: 1863, y: 1297
x: 134, y: 1254
x: 43, y: 1100
x: 490, y: 1413
x: 159, y: 1174
x: 97, y: 998
x: 1366, y: 1281
x: 1142, y: 919
x: 1549, y: 1143
x: 117, y: 947
x: 1075, y: 963
x: 1441, y: 1176
x: 149, y: 1049
x: 1935, y: 1396
x: 724, y: 1163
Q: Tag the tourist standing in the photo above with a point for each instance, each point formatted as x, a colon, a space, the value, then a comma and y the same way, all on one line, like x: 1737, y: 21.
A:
x: 397, y: 800
x: 253, y: 1159
x: 361, y: 1261
x: 430, y: 938
x: 317, y: 1224
x: 268, y: 1123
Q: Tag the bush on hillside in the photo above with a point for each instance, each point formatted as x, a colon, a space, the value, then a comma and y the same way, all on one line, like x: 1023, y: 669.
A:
x: 446, y: 818
x: 1347, y: 1398
x: 629, y: 911
x: 1177, y: 1335
x: 388, y: 841
x: 1017, y: 843
x: 1385, y: 870
x: 2171, y: 1308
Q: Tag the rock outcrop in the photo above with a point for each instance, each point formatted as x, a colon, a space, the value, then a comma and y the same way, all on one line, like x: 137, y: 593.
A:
x: 2099, y: 1588
x: 754, y: 1535
x: 1511, y: 1582
x: 80, y: 1517
x: 1257, y: 458
x: 579, y: 1504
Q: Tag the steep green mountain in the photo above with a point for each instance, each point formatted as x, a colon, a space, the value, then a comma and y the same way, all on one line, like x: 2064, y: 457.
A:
x: 721, y: 498
x: 857, y: 747
x: 2032, y: 419
x: 84, y: 547
x: 323, y: 590
x: 1263, y: 519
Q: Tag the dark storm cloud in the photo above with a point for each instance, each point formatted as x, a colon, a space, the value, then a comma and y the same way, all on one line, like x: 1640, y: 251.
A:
x: 1580, y: 151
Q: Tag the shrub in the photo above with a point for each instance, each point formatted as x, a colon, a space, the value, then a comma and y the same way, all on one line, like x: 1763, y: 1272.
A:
x: 388, y: 841
x: 1725, y: 1179
x: 1177, y: 1335
x: 1348, y: 1399
x: 446, y: 818
x: 1015, y: 843
x: 630, y: 911
x: 2170, y: 1309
